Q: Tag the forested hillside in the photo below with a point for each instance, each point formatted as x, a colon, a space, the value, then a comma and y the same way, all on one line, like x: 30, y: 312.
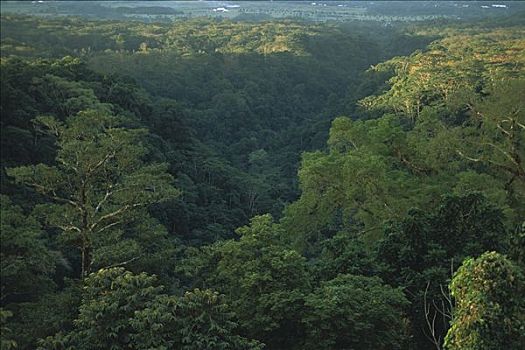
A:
x: 217, y: 184
x: 232, y: 104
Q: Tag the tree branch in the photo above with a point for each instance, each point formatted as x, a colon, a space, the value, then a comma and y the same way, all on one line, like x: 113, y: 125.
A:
x: 124, y: 262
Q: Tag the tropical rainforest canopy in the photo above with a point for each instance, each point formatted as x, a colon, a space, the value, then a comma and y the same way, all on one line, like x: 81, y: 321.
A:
x: 275, y: 184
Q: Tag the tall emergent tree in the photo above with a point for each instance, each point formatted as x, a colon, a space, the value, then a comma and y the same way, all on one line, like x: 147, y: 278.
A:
x: 99, y: 183
x: 490, y: 308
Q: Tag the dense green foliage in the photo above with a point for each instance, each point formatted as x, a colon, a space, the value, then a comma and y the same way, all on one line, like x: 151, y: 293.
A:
x: 355, y: 312
x: 489, y: 313
x: 150, y: 197
x: 25, y: 259
x: 264, y: 280
x: 420, y: 252
x: 467, y: 135
x: 130, y: 312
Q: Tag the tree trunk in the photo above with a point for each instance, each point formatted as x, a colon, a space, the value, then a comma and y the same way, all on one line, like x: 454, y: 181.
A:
x: 86, y: 259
